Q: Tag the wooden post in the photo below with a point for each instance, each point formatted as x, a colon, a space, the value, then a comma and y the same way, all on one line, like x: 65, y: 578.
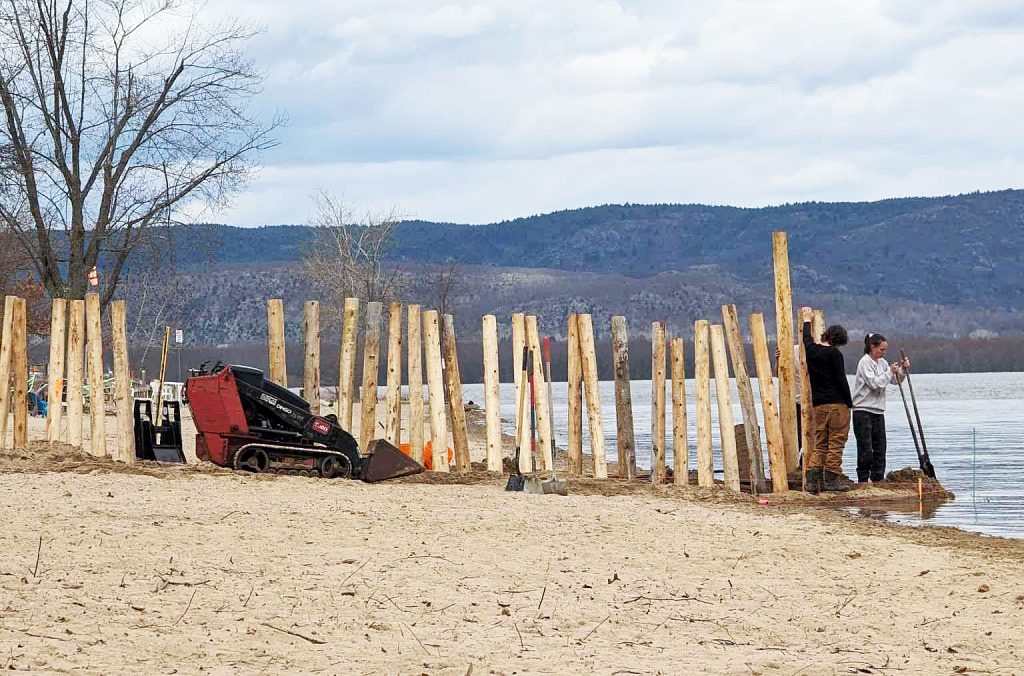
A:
x: 76, y: 371
x: 806, y: 405
x: 784, y: 340
x: 702, y: 378
x: 6, y: 351
x: 751, y: 429
x: 657, y: 402
x: 393, y: 399
x: 456, y: 410
x: 55, y: 367
x: 415, y: 385
x: 123, y: 399
x: 544, y: 440
x: 347, y: 363
x: 94, y: 348
x: 680, y: 449
x: 518, y: 343
x: 276, y: 342
x: 19, y: 366
x: 725, y: 420
x: 158, y: 413
x: 371, y: 362
x: 817, y: 325
x: 311, y: 352
x: 590, y: 383
x: 492, y: 394
x: 625, y: 438
x: 575, y: 379
x: 769, y: 407
x: 435, y: 391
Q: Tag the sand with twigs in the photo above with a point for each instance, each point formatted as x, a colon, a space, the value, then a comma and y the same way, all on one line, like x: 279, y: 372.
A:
x: 162, y: 569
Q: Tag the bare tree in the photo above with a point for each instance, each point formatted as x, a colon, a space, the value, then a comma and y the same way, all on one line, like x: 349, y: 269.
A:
x: 116, y: 115
x: 347, y: 258
x: 445, y: 281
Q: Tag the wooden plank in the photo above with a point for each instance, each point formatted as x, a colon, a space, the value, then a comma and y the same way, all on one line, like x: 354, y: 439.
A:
x: 276, y: 342
x: 784, y: 338
x: 680, y: 447
x: 769, y: 406
x: 435, y: 391
x: 76, y: 371
x: 371, y: 362
x: 415, y: 367
x: 393, y: 398
x: 19, y: 369
x: 625, y: 439
x: 545, y: 459
x: 311, y: 354
x: 751, y: 429
x: 94, y: 350
x: 123, y: 399
x: 726, y: 426
x: 590, y: 386
x: 702, y: 379
x: 575, y: 380
x: 347, y: 362
x: 55, y: 367
x: 658, y: 402
x: 456, y: 409
x: 492, y: 393
x: 518, y: 343
x: 6, y: 350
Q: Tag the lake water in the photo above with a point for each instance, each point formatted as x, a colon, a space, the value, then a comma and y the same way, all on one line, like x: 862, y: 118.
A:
x: 974, y: 426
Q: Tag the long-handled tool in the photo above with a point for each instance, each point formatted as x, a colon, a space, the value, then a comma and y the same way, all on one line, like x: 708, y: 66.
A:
x: 551, y: 400
x: 926, y: 463
x: 533, y: 416
x: 517, y: 480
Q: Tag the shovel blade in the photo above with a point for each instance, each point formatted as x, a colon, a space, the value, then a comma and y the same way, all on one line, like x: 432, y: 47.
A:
x: 385, y: 461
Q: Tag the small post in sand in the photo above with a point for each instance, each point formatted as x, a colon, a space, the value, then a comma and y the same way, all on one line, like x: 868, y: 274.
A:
x: 492, y: 393
x: 590, y: 383
x: 94, y: 350
x: 393, y: 398
x: 123, y: 399
x: 6, y: 350
x: 730, y: 463
x: 19, y: 366
x: 575, y: 380
x: 518, y: 342
x: 415, y: 370
x: 456, y: 410
x: 347, y: 363
x: 76, y: 372
x: 371, y: 363
x: 435, y: 392
x: 680, y: 448
x: 276, y: 342
x: 751, y: 429
x: 784, y: 340
x: 625, y: 441
x: 657, y: 402
x: 311, y: 355
x: 769, y: 407
x: 544, y: 440
x: 55, y: 367
x: 702, y: 377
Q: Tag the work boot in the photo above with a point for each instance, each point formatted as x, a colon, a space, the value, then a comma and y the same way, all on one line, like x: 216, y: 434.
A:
x: 813, y: 481
x: 832, y: 484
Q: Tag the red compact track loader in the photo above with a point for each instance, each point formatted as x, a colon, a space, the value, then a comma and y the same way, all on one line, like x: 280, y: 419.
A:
x: 246, y: 422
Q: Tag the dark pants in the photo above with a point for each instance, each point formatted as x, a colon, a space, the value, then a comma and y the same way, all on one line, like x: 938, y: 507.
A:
x: 869, y: 429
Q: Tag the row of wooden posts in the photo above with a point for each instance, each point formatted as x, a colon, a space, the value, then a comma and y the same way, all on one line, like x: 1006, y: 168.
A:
x: 76, y: 358
x: 716, y: 347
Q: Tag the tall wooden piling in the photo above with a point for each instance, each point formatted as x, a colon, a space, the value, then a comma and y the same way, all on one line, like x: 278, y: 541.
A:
x: 544, y: 440
x: 76, y: 372
x: 817, y: 325
x: 590, y: 383
x: 807, y: 435
x: 625, y: 440
x: 702, y: 378
x: 55, y: 367
x: 784, y: 337
x: 393, y: 398
x: 415, y: 369
x: 94, y: 349
x: 492, y: 394
x: 371, y: 362
x: 751, y: 429
x: 347, y: 362
x: 769, y: 407
x: 658, y: 402
x: 575, y: 380
x: 726, y: 427
x: 680, y: 447
x: 311, y: 354
x: 276, y: 342
x: 19, y: 367
x: 456, y: 409
x: 6, y: 350
x: 522, y: 421
x: 123, y: 399
x: 435, y: 391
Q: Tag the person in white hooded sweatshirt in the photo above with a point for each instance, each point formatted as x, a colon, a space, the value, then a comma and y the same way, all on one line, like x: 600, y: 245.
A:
x: 874, y: 374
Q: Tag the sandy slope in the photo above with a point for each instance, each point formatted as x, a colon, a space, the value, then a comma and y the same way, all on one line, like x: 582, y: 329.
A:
x: 169, y: 569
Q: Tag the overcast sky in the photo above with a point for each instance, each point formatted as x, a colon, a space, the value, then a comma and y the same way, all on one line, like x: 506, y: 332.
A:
x: 480, y: 111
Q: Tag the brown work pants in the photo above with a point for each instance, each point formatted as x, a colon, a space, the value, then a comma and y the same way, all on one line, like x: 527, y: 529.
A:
x: 831, y: 429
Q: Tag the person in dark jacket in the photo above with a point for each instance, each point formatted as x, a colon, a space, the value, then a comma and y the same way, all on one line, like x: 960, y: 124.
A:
x: 830, y: 395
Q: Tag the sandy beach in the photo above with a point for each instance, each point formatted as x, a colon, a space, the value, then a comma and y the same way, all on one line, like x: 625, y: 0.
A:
x: 157, y: 569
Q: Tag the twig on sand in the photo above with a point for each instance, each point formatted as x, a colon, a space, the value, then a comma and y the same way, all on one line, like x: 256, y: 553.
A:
x: 590, y: 633
x: 315, y: 641
x: 684, y: 597
x: 194, y: 592
x: 417, y: 638
x: 39, y: 551
x: 522, y: 645
x: 355, y: 571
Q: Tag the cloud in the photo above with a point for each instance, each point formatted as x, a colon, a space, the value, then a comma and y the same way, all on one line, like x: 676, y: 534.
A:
x: 471, y: 110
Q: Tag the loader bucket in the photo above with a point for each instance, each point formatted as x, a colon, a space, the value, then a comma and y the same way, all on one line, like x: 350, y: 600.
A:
x: 385, y: 462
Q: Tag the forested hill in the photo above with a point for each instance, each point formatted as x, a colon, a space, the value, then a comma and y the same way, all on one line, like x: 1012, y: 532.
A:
x: 965, y: 249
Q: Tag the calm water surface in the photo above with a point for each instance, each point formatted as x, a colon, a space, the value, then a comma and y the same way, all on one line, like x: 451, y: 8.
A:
x: 974, y: 426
